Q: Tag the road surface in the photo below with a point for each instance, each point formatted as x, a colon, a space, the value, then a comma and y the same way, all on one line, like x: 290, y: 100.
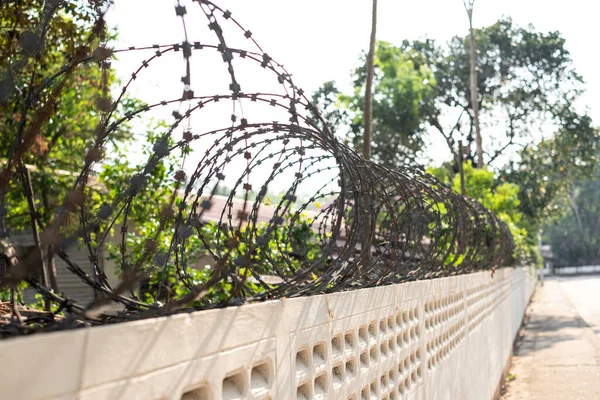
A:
x: 558, y: 355
x: 584, y: 294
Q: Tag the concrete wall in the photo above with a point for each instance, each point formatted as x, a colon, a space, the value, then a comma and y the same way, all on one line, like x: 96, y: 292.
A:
x: 440, y: 339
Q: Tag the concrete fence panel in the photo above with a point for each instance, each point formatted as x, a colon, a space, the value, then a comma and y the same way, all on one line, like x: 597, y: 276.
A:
x: 447, y: 338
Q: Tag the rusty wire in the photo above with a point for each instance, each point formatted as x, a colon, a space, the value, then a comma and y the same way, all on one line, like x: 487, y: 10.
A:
x: 374, y: 226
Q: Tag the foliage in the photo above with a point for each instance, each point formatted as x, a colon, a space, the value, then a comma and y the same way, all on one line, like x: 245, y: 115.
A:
x: 59, y: 148
x: 501, y: 198
x: 401, y: 90
x: 147, y: 220
x: 526, y: 86
x: 527, y: 91
x: 525, y: 79
x: 282, y: 258
x: 547, y: 171
x: 39, y: 39
x: 575, y: 238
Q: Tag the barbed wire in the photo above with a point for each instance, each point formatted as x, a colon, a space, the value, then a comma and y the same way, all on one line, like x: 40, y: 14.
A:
x: 360, y: 225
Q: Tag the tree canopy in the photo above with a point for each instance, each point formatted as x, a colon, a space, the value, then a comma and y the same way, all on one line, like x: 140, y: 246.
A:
x: 527, y: 88
x: 402, y: 90
x: 55, y: 81
x: 575, y: 238
x: 42, y: 40
x: 535, y: 136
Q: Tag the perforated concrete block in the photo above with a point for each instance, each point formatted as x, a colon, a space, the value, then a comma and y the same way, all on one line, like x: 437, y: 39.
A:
x: 439, y: 339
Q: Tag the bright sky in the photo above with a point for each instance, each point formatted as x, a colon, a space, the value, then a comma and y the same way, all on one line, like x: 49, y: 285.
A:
x: 320, y: 40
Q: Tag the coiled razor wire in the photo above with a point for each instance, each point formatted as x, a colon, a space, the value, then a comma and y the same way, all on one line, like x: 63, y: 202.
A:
x: 373, y: 226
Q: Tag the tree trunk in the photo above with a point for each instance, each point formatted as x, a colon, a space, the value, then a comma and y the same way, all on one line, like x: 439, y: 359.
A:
x: 26, y: 178
x: 367, y: 137
x: 461, y: 170
x: 368, y: 110
x: 474, y: 102
x: 575, y: 209
x: 51, y: 265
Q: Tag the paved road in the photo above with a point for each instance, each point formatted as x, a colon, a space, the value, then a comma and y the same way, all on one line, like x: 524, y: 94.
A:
x: 584, y: 294
x: 558, y: 356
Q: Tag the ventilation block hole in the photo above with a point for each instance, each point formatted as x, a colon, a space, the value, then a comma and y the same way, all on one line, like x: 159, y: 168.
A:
x: 373, y: 329
x: 390, y: 323
x: 337, y: 374
x: 401, y: 388
x: 384, y: 381
x: 303, y: 392
x: 374, y: 390
x: 364, y: 394
x: 201, y: 393
x: 321, y: 386
x: 364, y: 359
x: 393, y: 375
x: 260, y: 378
x: 384, y: 349
x: 405, y: 317
x: 373, y: 353
x: 383, y: 326
x: 320, y: 354
x: 337, y: 345
x: 303, y: 360
x: 234, y: 387
x: 350, y: 368
x: 349, y: 339
x: 363, y: 334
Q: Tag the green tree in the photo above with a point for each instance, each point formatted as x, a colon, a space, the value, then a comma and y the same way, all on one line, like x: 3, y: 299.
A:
x: 526, y: 87
x: 526, y: 84
x: 501, y: 198
x: 575, y: 238
x: 527, y: 90
x: 548, y: 171
x: 401, y: 91
x: 52, y: 79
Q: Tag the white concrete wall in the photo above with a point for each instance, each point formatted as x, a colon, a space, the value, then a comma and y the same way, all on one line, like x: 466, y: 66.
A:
x: 440, y: 339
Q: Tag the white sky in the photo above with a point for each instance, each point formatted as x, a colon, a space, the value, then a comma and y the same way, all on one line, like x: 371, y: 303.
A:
x: 320, y: 40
